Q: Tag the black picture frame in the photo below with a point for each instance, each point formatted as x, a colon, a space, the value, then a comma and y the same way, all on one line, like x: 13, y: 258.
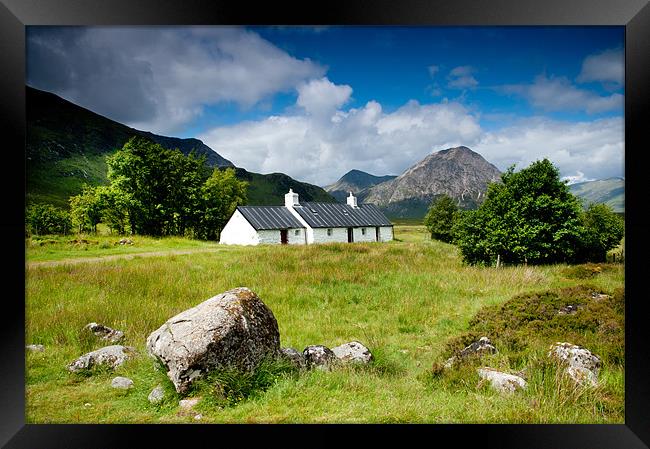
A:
x: 16, y: 14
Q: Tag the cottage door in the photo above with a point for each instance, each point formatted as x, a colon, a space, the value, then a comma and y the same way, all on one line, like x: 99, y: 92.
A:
x: 377, y: 234
x: 350, y: 235
x: 284, y: 236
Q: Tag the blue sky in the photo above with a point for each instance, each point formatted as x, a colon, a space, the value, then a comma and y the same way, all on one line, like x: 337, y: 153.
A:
x: 317, y: 102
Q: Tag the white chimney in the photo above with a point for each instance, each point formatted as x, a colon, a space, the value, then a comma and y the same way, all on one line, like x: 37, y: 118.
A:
x: 352, y: 200
x: 291, y: 199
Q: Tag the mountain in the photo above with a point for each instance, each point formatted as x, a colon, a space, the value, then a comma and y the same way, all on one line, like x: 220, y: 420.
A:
x: 458, y: 172
x: 610, y: 191
x: 67, y: 145
x: 354, y: 181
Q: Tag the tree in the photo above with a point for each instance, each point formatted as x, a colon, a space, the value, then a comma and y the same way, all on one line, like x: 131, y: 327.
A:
x: 41, y: 219
x: 86, y: 209
x: 440, y: 218
x: 220, y: 194
x: 603, y: 231
x: 114, y: 208
x: 530, y: 217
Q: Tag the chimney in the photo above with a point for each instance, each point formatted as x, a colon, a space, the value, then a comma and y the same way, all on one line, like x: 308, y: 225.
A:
x: 291, y: 199
x: 352, y: 200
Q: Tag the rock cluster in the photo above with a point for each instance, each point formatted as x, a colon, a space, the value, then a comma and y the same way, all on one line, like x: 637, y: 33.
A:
x: 124, y: 242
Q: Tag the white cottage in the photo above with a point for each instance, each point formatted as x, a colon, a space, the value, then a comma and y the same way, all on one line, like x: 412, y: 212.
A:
x: 299, y: 224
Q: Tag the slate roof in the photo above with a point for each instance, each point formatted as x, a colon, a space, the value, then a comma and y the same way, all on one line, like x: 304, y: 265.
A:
x: 269, y: 217
x: 337, y: 215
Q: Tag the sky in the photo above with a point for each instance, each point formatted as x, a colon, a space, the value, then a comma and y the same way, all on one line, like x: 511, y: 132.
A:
x: 316, y: 102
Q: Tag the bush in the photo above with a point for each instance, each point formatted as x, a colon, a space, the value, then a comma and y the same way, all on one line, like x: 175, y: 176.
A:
x: 441, y: 217
x: 42, y: 219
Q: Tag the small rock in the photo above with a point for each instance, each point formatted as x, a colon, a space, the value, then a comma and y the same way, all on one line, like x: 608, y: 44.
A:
x: 110, y: 356
x: 35, y: 348
x: 105, y: 332
x: 568, y: 310
x: 295, y: 357
x: 122, y: 382
x: 187, y: 406
x: 480, y: 347
x: 353, y: 352
x: 157, y: 395
x: 581, y: 365
x: 87, y: 404
x: 320, y: 357
x: 502, y: 382
x: 198, y: 417
x: 599, y: 296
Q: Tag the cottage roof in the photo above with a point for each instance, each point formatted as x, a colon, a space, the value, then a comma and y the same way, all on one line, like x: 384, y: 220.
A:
x: 337, y: 215
x: 269, y: 217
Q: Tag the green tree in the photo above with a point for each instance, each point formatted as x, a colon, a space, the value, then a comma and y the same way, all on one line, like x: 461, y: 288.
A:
x: 41, y: 219
x: 603, y: 231
x: 114, y: 208
x: 220, y: 195
x: 86, y: 209
x: 441, y: 217
x: 530, y: 217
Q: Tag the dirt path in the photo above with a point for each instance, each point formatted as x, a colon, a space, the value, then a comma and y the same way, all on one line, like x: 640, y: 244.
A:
x: 179, y: 252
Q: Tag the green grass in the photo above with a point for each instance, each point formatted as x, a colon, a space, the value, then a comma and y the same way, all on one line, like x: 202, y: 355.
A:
x: 405, y: 300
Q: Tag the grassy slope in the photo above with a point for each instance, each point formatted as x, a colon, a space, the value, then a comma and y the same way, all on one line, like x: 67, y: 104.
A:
x: 403, y: 299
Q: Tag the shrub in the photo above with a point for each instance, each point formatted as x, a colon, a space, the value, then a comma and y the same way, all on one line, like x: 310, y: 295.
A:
x: 41, y: 219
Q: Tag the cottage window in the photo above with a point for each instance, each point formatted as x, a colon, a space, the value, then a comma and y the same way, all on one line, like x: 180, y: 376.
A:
x: 296, y: 232
x: 329, y: 231
x: 363, y: 231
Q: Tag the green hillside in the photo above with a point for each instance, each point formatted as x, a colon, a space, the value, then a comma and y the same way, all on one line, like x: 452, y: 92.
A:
x: 609, y: 191
x: 67, y: 147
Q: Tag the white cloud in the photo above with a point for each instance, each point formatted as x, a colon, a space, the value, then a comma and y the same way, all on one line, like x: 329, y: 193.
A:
x: 607, y: 67
x: 322, y: 97
x: 160, y: 78
x: 461, y: 78
x: 558, y: 94
x: 320, y: 149
x: 594, y: 148
x: 578, y: 177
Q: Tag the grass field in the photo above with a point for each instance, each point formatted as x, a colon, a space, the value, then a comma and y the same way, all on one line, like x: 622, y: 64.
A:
x: 406, y: 300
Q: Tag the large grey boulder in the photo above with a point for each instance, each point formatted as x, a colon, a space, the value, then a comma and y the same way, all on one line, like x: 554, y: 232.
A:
x: 104, y: 332
x: 502, y: 382
x: 232, y: 330
x: 480, y: 347
x: 294, y: 357
x: 319, y: 357
x: 580, y: 364
x: 109, y: 356
x: 353, y: 352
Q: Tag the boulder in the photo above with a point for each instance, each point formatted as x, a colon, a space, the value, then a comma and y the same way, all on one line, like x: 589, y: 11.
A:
x: 353, y: 352
x: 109, y: 356
x: 234, y: 329
x: 122, y: 382
x: 157, y: 395
x: 35, y: 348
x: 580, y: 364
x: 295, y: 357
x: 482, y: 346
x: 105, y: 332
x: 320, y: 357
x: 502, y: 382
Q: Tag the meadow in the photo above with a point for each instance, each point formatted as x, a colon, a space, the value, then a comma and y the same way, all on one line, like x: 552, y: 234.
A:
x: 409, y: 301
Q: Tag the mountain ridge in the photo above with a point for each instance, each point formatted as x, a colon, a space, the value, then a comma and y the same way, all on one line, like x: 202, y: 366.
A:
x: 354, y: 181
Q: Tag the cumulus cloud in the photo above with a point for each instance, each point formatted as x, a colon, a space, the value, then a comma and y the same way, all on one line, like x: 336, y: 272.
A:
x: 322, y: 97
x: 594, y: 148
x: 320, y: 149
x: 578, y: 177
x: 160, y: 78
x: 606, y: 67
x: 461, y: 78
x: 559, y: 94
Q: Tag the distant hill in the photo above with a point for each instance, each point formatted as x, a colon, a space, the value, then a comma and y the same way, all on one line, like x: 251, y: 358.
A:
x: 458, y: 172
x: 609, y: 191
x: 67, y: 145
x: 354, y: 181
x: 269, y: 190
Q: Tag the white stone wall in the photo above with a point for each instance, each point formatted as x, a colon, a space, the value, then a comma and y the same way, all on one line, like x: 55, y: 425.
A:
x: 297, y: 239
x: 385, y: 233
x: 238, y: 231
x: 338, y: 235
x: 268, y: 236
x: 369, y: 237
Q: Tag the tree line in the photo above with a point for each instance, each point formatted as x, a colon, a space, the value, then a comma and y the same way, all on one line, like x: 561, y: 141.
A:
x: 528, y: 217
x: 152, y: 191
